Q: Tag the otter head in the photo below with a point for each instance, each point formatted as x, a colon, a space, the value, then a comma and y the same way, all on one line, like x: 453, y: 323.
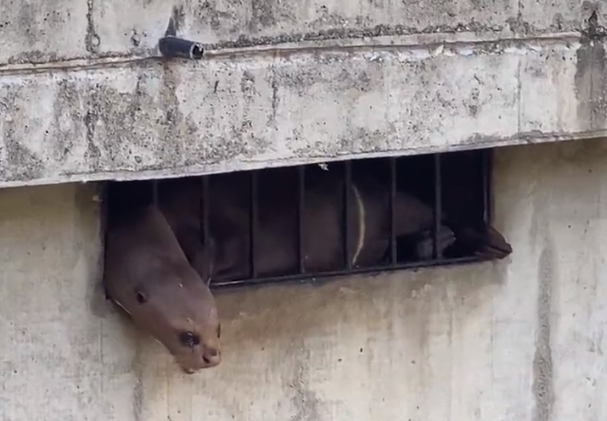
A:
x: 149, y: 276
x: 180, y: 313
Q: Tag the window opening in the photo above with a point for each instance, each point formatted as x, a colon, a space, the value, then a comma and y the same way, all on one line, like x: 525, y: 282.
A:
x: 313, y: 221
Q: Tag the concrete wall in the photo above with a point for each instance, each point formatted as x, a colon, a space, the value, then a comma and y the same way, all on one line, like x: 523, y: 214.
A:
x: 84, y: 97
x: 522, y: 339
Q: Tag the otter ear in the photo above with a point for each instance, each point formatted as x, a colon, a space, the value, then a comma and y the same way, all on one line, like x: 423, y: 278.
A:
x: 140, y: 295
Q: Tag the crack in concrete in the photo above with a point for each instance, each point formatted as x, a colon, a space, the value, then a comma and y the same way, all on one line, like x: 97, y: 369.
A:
x: 354, y: 33
x: 514, y: 27
x: 467, y: 47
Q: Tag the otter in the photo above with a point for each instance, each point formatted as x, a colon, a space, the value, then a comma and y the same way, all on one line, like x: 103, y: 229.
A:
x: 226, y: 254
x: 149, y: 277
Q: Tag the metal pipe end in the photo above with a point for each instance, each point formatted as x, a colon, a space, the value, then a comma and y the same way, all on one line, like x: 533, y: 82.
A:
x: 196, y: 52
x: 174, y: 47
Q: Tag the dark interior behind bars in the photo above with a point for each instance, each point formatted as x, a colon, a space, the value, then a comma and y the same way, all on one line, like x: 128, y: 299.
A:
x: 456, y: 183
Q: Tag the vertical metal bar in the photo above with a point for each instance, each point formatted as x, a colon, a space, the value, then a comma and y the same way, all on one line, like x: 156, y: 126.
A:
x: 253, y: 222
x: 438, y: 204
x: 487, y: 177
x: 155, y: 192
x: 347, y: 214
x: 301, y: 200
x: 393, y: 211
x: 205, y: 209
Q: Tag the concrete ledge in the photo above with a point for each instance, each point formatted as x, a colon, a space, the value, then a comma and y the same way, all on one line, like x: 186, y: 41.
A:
x: 259, y: 108
x: 82, y: 96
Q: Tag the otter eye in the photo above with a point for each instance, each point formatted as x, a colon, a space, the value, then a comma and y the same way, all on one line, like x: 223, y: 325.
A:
x: 219, y: 331
x: 189, y: 339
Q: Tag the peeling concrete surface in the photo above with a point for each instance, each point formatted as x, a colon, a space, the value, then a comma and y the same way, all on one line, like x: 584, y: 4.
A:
x: 520, y: 339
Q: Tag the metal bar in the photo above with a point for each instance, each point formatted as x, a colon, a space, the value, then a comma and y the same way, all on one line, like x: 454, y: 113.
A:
x: 485, y: 159
x: 487, y: 179
x: 346, y: 234
x: 320, y: 276
x: 393, y: 254
x: 155, y: 192
x: 253, y: 221
x: 437, y: 205
x: 301, y: 200
x: 205, y: 209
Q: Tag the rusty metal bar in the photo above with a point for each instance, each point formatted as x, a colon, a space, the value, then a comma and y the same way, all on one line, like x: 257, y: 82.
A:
x: 205, y: 209
x: 393, y: 250
x: 301, y: 200
x: 437, y: 205
x: 346, y: 234
x: 254, y: 214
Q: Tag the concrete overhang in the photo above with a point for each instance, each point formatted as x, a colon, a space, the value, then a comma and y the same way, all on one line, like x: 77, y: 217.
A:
x: 84, y: 97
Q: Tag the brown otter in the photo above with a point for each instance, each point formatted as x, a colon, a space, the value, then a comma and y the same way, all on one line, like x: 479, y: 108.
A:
x: 148, y: 275
x: 227, y: 255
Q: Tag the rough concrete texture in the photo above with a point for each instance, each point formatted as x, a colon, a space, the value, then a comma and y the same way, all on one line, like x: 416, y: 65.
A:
x: 288, y: 82
x: 42, y: 31
x: 520, y: 339
x: 37, y: 31
x: 255, y: 111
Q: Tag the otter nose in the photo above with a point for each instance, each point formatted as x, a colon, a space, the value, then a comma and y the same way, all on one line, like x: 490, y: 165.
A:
x: 211, y: 357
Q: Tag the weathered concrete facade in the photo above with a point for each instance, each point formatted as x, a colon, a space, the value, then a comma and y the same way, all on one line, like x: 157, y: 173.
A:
x: 522, y: 339
x: 286, y: 82
x: 82, y: 98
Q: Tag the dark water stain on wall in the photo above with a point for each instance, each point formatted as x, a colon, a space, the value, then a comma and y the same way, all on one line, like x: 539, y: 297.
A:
x: 304, y: 399
x: 590, y: 77
x: 176, y: 21
x: 543, y: 365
